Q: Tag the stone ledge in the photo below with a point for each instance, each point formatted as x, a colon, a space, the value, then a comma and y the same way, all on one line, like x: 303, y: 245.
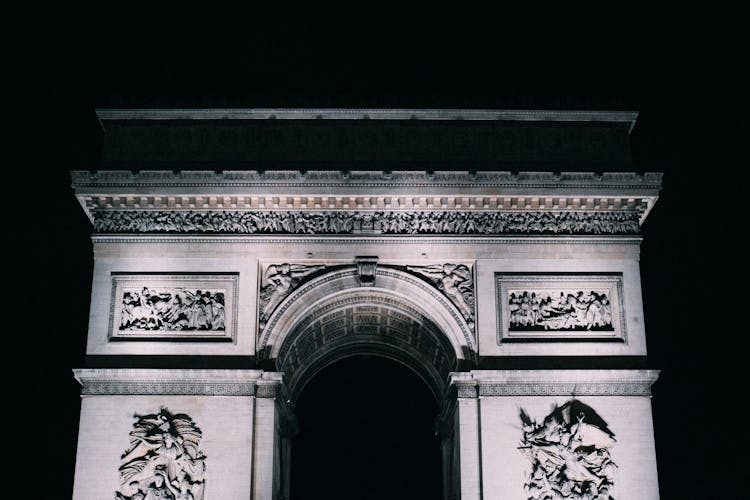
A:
x: 553, y: 382
x: 108, y: 381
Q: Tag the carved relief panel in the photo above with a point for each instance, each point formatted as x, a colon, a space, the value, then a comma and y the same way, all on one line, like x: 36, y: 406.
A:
x: 560, y: 307
x: 173, y: 307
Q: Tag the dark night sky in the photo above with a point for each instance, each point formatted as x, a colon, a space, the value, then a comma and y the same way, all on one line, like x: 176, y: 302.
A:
x: 683, y: 72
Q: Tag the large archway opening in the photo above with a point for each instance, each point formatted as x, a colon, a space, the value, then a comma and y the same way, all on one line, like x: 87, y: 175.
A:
x: 366, y: 432
x: 366, y: 365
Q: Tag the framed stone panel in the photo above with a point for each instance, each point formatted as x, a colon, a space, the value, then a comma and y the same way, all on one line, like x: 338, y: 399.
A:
x: 173, y: 307
x: 560, y: 307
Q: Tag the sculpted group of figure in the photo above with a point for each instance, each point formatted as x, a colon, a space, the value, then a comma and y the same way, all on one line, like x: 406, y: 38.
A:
x: 569, y: 453
x: 163, y: 461
x: 560, y: 311
x: 172, y: 309
x: 340, y: 222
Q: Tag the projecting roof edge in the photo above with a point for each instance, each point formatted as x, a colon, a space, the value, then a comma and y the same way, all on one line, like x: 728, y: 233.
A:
x: 366, y: 114
x: 333, y: 179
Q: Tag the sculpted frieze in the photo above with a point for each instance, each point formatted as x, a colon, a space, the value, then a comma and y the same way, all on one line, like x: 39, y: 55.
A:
x: 354, y: 222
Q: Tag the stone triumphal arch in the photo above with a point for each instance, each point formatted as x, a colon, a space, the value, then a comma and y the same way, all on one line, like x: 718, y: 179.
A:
x: 237, y: 253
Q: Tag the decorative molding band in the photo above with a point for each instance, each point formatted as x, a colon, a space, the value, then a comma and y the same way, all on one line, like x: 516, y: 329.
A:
x: 106, y: 114
x: 90, y: 181
x: 391, y: 223
x: 566, y: 389
x: 462, y: 385
x: 556, y: 382
x: 359, y: 239
x: 271, y: 385
x: 105, y: 381
x: 394, y: 201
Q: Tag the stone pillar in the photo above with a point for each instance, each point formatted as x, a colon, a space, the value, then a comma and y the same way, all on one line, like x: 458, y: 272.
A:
x: 274, y: 427
x: 597, y: 423
x: 239, y: 440
x: 461, y: 444
x: 503, y: 431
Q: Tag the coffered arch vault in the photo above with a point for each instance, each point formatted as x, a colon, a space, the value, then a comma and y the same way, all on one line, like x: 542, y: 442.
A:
x: 398, y: 316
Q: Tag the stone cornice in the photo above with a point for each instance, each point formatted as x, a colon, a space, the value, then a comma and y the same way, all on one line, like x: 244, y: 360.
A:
x: 360, y: 239
x: 84, y: 180
x: 107, y: 114
x: 552, y: 383
x: 107, y: 381
x: 365, y: 192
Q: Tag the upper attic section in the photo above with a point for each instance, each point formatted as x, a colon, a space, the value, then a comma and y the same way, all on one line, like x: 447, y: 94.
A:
x: 424, y: 139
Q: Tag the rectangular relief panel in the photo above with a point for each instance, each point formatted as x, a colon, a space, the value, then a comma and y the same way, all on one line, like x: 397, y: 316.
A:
x: 173, y: 307
x: 560, y: 307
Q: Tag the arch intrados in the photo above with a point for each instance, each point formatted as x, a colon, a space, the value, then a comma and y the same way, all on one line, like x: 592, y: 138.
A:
x: 390, y: 327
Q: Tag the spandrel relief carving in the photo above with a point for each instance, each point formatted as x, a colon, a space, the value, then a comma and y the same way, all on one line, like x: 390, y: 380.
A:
x: 569, y: 453
x: 455, y: 281
x: 278, y: 281
x: 164, y: 460
x: 350, y: 222
x: 559, y: 310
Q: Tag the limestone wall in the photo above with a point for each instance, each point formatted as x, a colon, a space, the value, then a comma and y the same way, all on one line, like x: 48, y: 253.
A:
x: 528, y: 437
x: 211, y: 431
x: 241, y: 259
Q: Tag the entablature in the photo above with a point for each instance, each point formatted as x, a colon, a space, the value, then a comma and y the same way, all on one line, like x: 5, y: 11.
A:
x: 387, y: 202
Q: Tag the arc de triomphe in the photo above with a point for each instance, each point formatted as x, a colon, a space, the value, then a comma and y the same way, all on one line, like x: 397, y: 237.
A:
x: 456, y: 274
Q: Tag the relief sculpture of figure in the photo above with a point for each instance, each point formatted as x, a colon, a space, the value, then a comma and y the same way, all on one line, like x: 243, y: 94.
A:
x: 455, y: 281
x: 559, y: 310
x: 277, y: 281
x: 569, y: 453
x: 163, y: 459
x: 172, y: 309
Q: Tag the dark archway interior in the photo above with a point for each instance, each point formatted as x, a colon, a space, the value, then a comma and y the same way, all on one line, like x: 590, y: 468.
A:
x: 366, y: 432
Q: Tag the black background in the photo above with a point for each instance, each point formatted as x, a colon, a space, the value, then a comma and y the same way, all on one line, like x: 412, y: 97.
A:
x: 684, y: 71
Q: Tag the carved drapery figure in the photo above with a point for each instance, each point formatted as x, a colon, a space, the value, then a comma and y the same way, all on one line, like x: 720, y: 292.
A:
x: 163, y: 459
x: 569, y: 453
x: 455, y: 281
x: 278, y: 281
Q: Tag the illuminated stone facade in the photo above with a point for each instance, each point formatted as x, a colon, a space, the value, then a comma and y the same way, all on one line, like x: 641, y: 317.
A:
x: 291, y: 270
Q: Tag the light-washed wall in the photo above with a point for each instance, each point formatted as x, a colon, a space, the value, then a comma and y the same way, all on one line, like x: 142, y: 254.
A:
x: 505, y: 468
x: 496, y: 430
x: 488, y: 327
x: 227, y: 442
x: 244, y: 255
x: 137, y: 259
